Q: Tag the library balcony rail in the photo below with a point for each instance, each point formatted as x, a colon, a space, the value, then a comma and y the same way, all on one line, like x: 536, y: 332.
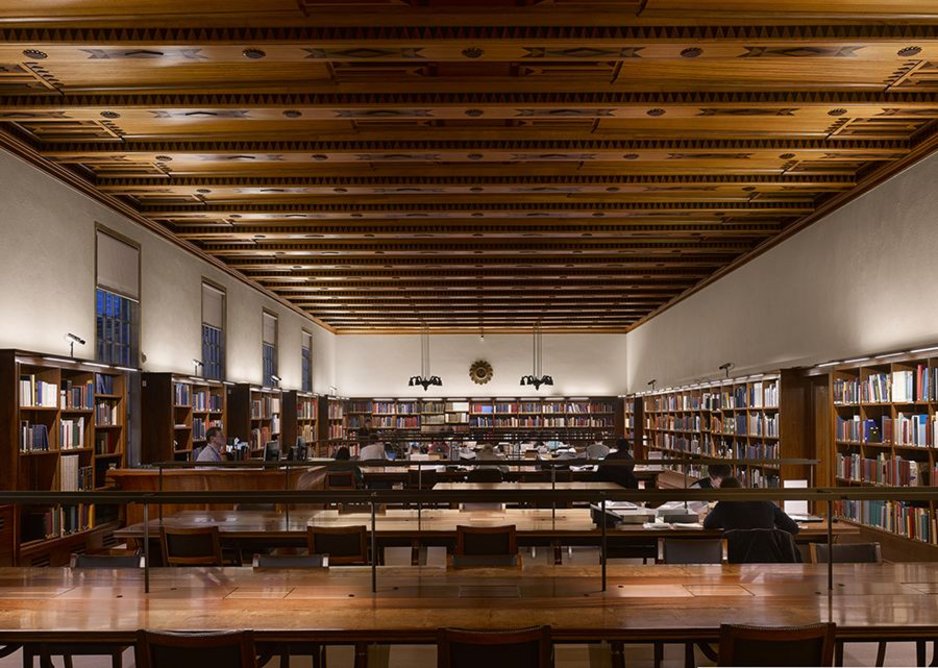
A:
x: 821, y: 497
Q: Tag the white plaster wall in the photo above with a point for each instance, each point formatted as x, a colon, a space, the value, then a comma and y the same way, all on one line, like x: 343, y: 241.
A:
x: 581, y: 364
x: 47, y: 281
x: 862, y: 280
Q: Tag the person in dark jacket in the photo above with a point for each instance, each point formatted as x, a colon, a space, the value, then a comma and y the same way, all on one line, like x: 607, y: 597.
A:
x: 728, y: 515
x: 715, y: 475
x: 613, y: 470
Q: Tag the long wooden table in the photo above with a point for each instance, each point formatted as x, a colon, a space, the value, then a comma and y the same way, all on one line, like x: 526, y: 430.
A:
x: 248, y: 529
x: 642, y: 603
x: 591, y: 486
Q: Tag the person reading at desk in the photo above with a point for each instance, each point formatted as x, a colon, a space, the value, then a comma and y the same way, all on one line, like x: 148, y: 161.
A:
x: 215, y: 448
x: 344, y: 463
x: 715, y: 475
x: 373, y: 451
x: 728, y: 515
x: 616, y: 467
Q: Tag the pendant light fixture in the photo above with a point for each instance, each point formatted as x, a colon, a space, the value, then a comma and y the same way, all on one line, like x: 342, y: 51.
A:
x: 425, y: 380
x: 536, y: 377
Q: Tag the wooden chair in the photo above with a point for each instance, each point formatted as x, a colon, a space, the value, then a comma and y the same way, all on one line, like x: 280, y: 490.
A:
x: 811, y: 645
x: 516, y: 648
x: 316, y: 651
x: 488, y: 541
x: 340, y: 480
x: 686, y: 551
x: 229, y: 649
x: 690, y: 550
x: 45, y: 651
x: 199, y: 546
x: 853, y: 553
x: 275, y: 561
x: 106, y: 561
x: 344, y: 545
x: 761, y: 546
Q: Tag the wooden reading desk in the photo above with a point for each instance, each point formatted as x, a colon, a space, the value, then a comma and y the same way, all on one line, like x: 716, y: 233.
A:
x: 336, y: 606
x: 248, y: 529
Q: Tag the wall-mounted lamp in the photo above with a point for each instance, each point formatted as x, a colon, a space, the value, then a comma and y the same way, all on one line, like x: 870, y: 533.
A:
x: 276, y: 379
x: 651, y: 383
x: 198, y: 364
x: 72, y: 339
x: 725, y: 368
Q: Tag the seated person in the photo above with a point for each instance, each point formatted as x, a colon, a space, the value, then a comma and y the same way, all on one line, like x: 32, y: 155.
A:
x: 597, y: 450
x: 343, y: 463
x: 611, y: 471
x: 214, y: 449
x: 715, y: 475
x: 372, y: 451
x: 487, y: 453
x: 729, y: 515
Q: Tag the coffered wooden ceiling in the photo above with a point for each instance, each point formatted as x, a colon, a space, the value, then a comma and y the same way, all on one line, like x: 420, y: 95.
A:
x: 389, y: 164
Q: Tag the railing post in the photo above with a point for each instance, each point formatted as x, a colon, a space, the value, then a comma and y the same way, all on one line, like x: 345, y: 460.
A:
x: 160, y: 487
x: 602, y: 548
x: 146, y: 546
x: 374, y: 547
x: 830, y: 544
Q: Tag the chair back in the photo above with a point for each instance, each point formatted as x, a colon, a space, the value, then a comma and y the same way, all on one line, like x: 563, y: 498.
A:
x: 761, y: 546
x: 340, y: 480
x: 230, y: 649
x: 105, y: 561
x: 288, y: 561
x: 344, y: 545
x: 518, y: 648
x: 690, y: 550
x: 846, y: 553
x: 198, y: 546
x: 485, y: 475
x: 487, y: 541
x: 811, y: 645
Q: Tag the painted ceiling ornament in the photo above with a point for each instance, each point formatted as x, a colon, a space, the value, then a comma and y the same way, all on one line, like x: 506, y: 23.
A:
x: 480, y: 372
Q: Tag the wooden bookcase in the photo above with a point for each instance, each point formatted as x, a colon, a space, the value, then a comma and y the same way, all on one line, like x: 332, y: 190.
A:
x: 300, y: 418
x: 64, y: 425
x: 756, y: 418
x: 565, y: 418
x: 333, y: 428
x: 876, y: 421
x: 633, y: 425
x: 177, y: 412
x: 254, y: 415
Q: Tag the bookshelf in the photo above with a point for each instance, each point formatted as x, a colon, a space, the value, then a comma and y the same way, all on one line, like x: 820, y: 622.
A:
x: 876, y: 419
x: 633, y: 424
x: 177, y: 411
x: 566, y: 418
x: 66, y: 425
x: 757, y: 418
x: 333, y: 427
x: 300, y: 417
x: 254, y: 415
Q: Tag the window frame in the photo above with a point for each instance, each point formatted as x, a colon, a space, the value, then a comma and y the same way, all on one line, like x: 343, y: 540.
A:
x: 136, y: 303
x: 223, y: 338
x: 306, y: 361
x: 266, y: 380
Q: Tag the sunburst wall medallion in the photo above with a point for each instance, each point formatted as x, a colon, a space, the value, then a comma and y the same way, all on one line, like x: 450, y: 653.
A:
x: 480, y: 372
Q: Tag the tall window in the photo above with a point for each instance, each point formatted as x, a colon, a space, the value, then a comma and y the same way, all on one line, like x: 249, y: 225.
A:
x: 307, y: 358
x: 270, y: 348
x: 117, y: 300
x: 213, y: 332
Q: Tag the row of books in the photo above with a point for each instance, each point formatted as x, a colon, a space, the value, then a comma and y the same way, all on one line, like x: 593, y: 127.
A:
x: 336, y: 431
x: 107, y: 414
x: 38, y: 393
x: 72, y: 433
x: 306, y: 409
x: 908, y: 385
x: 546, y: 408
x: 75, y: 478
x: 396, y: 407
x: 401, y: 422
x: 897, y: 517
x: 56, y: 521
x: 308, y: 433
x: 264, y: 407
x: 760, y: 394
x: 335, y: 412
x: 259, y: 437
x: 76, y: 395
x: 207, y: 401
x: 33, y: 437
x: 918, y: 430
x: 182, y: 393
x: 888, y: 471
x: 755, y: 451
x: 677, y: 442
